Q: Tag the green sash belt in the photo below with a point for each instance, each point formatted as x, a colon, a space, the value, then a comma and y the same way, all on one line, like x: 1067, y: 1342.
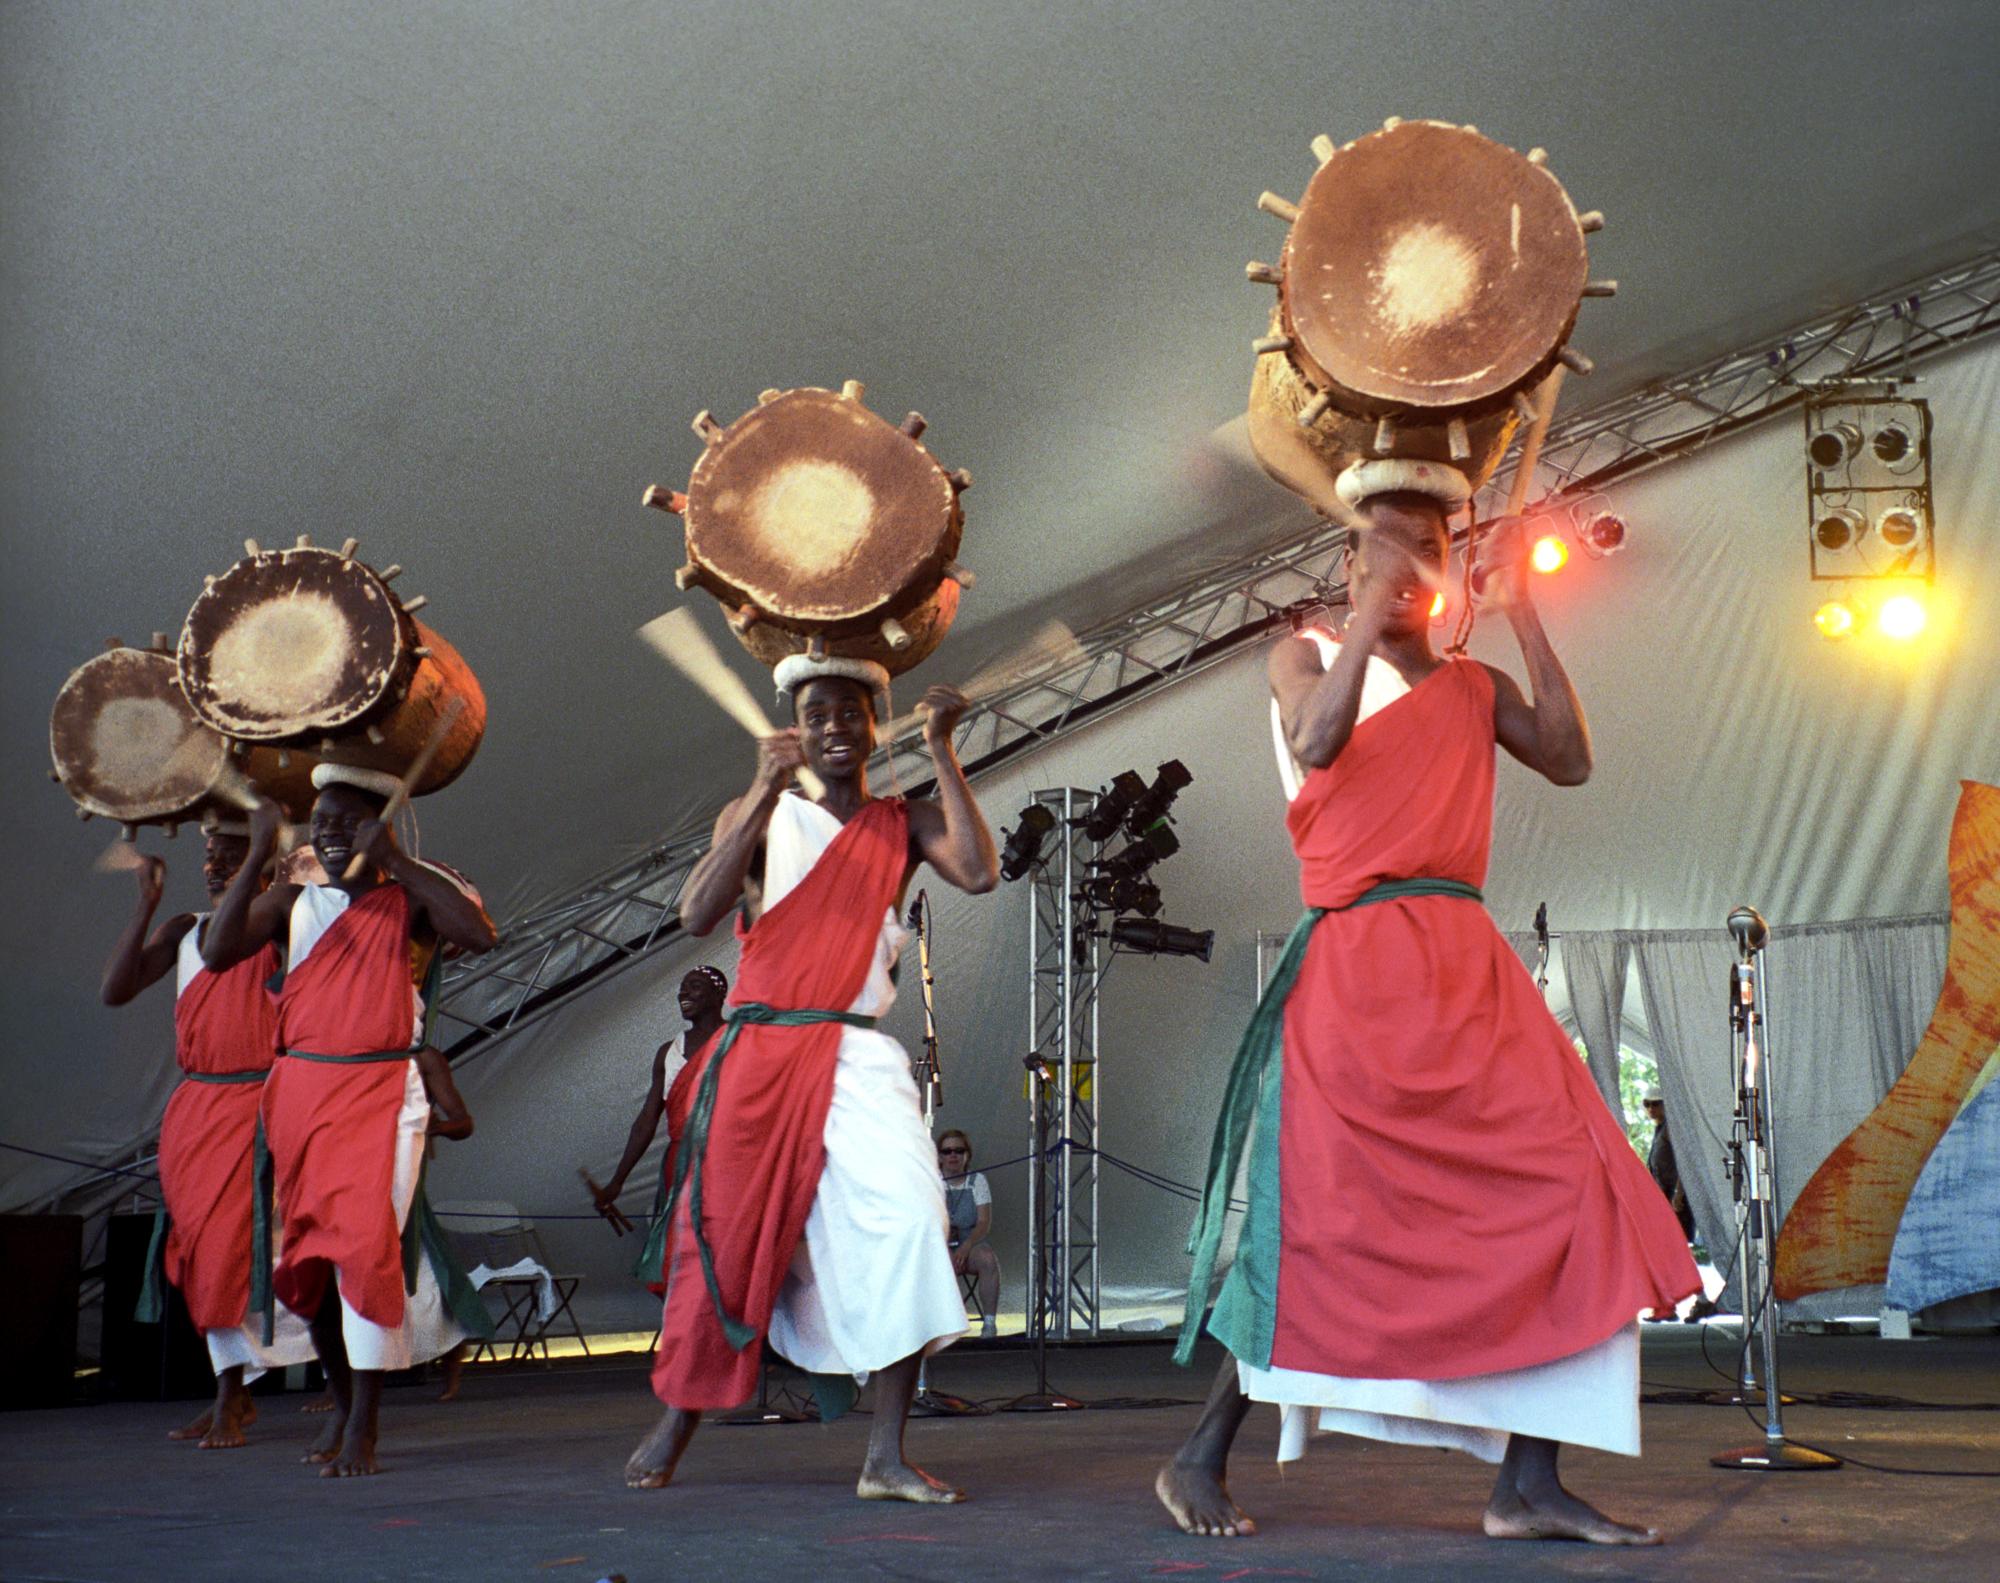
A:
x: 152, y: 1305
x: 352, y: 1060
x: 689, y: 1157
x: 1253, y: 1092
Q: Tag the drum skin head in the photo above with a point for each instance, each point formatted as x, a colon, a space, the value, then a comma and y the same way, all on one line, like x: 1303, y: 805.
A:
x: 1431, y: 267
x: 292, y: 642
x: 820, y: 512
x: 125, y: 744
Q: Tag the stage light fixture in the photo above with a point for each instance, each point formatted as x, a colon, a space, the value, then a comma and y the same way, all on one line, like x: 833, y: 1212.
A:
x: 1148, y: 809
x: 1112, y: 805
x: 1834, y: 446
x: 1139, y: 896
x: 1895, y: 448
x: 1024, y: 843
x: 1154, y: 846
x: 1839, y: 528
x: 1549, y: 555
x: 1150, y: 937
x: 1899, y: 526
x: 1437, y: 606
x: 1902, y: 617
x: 1602, y: 533
x: 1835, y: 619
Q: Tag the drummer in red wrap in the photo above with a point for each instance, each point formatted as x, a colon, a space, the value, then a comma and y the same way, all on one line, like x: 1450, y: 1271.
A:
x: 1418, y: 1066
x: 811, y: 1116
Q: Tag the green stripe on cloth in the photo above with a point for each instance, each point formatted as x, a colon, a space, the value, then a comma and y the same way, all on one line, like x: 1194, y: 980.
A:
x: 262, y: 1301
x: 152, y: 1305
x: 649, y: 1266
x: 688, y: 1159
x: 225, y: 1077
x: 372, y: 1058
x: 424, y: 1236
x: 1247, y: 1309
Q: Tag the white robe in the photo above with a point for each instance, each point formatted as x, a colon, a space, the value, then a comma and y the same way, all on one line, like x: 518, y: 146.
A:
x: 872, y: 1281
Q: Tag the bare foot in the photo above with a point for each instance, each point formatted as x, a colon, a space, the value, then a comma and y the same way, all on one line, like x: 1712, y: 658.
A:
x: 322, y: 1403
x: 195, y: 1430
x: 327, y: 1446
x: 651, y: 1465
x: 356, y: 1460
x: 1558, y: 1514
x: 231, y: 1419
x: 898, y: 1481
x: 1198, y: 1499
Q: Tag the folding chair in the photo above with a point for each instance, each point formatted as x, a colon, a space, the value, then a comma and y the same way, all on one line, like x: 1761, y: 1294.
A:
x: 496, y: 1234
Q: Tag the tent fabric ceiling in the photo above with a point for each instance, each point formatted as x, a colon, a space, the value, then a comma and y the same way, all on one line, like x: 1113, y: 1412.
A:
x: 453, y: 278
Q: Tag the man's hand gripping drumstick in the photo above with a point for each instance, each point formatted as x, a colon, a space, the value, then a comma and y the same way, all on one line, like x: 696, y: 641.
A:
x: 400, y: 797
x: 678, y: 639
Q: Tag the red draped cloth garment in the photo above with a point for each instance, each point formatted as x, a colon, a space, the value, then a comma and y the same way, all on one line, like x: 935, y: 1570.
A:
x: 224, y: 1023
x: 1454, y: 1196
x: 766, y: 1139
x: 331, y: 1127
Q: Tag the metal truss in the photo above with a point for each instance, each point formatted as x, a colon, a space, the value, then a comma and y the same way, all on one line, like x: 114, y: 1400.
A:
x: 1066, y: 966
x: 627, y: 912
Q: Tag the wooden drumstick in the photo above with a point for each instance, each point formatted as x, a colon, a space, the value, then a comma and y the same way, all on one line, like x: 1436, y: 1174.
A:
x: 121, y: 857
x: 1531, y: 447
x: 611, y: 1212
x: 401, y: 795
x: 678, y: 639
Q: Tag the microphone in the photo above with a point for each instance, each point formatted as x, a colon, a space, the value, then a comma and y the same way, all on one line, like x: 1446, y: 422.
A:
x: 916, y: 912
x: 1542, y: 924
x: 1747, y: 927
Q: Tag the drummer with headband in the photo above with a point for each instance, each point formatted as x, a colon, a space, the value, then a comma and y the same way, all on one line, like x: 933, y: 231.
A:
x: 346, y: 1111
x: 806, y: 1207
x: 225, y: 1034
x: 1448, y: 1237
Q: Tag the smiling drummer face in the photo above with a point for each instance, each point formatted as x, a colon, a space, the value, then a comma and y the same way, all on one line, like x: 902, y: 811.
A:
x: 337, y: 813
x: 836, y: 719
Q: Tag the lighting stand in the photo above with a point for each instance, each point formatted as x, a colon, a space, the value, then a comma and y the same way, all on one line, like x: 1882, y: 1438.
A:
x: 1752, y: 1166
x: 787, y: 1407
x: 1041, y: 1399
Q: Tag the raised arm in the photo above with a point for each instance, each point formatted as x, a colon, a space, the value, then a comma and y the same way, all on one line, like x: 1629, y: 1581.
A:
x: 456, y: 917
x: 247, y: 918
x: 951, y: 834
x: 1549, y: 734
x: 138, y: 962
x: 717, y: 882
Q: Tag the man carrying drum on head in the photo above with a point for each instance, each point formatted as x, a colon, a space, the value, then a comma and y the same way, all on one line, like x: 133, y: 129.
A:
x: 346, y: 1112
x: 1449, y: 1240
x: 806, y: 1206
x: 225, y: 1033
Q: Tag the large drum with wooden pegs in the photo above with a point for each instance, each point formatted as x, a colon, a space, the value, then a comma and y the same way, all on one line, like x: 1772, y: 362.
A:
x: 125, y: 746
x: 1429, y: 282
x: 823, y: 528
x: 308, y: 647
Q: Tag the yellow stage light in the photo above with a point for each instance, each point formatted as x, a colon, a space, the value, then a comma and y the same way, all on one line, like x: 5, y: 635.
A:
x: 1835, y: 618
x: 1550, y: 554
x: 1902, y: 617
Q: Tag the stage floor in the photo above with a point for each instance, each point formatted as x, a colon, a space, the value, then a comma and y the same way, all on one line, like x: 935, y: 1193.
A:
x: 522, y: 1478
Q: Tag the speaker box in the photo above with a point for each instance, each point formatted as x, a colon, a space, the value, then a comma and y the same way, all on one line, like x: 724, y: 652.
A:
x: 43, y: 1258
x: 153, y: 1363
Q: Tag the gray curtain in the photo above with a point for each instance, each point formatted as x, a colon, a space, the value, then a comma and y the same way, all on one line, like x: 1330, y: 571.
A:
x: 1848, y: 1002
x: 1595, y: 966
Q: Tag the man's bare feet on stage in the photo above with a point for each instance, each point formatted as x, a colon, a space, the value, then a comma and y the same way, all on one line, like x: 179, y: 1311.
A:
x: 1198, y: 1500
x: 231, y: 1417
x: 454, y: 1369
x: 898, y: 1481
x: 195, y: 1430
x: 356, y: 1460
x: 322, y: 1403
x: 326, y: 1446
x: 651, y: 1465
x: 1557, y: 1514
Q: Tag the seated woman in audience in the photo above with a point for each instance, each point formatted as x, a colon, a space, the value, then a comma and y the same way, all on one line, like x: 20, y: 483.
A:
x: 969, y: 1202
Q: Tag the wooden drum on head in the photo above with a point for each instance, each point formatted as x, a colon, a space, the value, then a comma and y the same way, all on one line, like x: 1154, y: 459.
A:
x: 309, y: 646
x: 822, y: 528
x: 126, y: 746
x: 1430, y: 279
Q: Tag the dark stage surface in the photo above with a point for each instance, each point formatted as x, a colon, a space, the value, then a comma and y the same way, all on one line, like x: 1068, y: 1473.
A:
x: 521, y: 1478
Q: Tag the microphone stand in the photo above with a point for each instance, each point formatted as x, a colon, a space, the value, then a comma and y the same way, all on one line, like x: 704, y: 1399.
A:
x: 928, y: 1071
x: 1752, y: 1165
